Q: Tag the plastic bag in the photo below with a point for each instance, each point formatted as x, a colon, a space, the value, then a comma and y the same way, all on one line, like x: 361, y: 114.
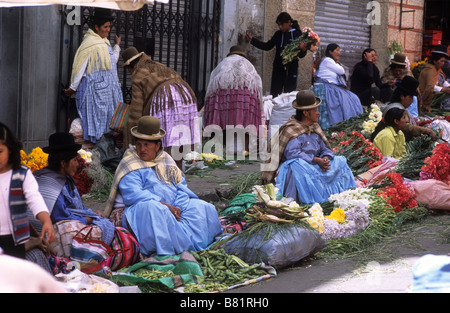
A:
x: 282, y: 110
x: 433, y: 193
x: 286, y: 246
x: 79, y: 282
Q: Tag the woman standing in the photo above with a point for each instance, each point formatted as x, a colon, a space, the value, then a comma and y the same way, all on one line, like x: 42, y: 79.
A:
x: 159, y: 91
x: 284, y: 77
x: 94, y: 78
x: 338, y: 103
x: 234, y: 97
x: 432, y: 79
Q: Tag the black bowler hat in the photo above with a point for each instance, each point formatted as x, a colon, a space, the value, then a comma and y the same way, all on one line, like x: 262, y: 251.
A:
x: 440, y: 49
x: 409, y: 85
x: 61, y: 141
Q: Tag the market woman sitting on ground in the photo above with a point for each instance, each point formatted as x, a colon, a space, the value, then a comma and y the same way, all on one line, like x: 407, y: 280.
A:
x: 388, y: 135
x: 166, y: 217
x: 59, y: 190
x: 309, y: 171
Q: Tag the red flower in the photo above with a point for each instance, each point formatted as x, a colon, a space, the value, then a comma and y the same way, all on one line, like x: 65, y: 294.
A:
x: 400, y: 195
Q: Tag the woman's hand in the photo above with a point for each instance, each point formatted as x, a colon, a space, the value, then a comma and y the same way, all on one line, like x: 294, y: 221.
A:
x: 69, y: 92
x: 446, y: 90
x: 248, y: 36
x: 47, y: 227
x: 302, y: 46
x: 324, y: 163
x: 117, y: 39
x: 175, y: 211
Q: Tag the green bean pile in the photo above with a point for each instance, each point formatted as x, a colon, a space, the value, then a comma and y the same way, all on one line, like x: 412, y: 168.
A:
x: 222, y: 268
x: 153, y: 273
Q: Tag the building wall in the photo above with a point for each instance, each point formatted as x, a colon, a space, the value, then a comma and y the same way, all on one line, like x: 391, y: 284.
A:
x: 410, y: 35
x: 29, y: 54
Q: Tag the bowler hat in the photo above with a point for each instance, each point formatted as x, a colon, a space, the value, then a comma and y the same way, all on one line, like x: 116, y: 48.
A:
x: 129, y: 55
x: 440, y: 49
x: 237, y: 50
x: 399, y: 59
x: 61, y: 141
x: 148, y: 128
x: 306, y: 100
x: 409, y: 85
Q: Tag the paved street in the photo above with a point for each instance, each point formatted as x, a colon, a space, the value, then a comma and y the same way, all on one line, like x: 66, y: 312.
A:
x: 385, y: 268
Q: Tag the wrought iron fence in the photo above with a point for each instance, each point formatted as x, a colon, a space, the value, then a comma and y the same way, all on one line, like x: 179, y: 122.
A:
x: 183, y: 35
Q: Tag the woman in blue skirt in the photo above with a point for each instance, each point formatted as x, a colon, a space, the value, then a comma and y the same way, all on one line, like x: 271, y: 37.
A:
x: 338, y: 103
x: 309, y: 171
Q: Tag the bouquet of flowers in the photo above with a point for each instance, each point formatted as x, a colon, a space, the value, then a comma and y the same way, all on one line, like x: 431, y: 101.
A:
x: 36, y: 160
x: 399, y: 194
x: 291, y: 51
x: 84, y: 182
x: 437, y: 165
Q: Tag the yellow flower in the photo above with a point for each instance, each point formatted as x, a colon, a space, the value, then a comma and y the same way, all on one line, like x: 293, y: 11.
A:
x: 316, y: 219
x: 36, y: 160
x: 338, y: 215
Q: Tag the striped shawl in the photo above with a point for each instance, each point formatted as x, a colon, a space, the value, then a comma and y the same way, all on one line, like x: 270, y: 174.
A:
x: 290, y: 130
x: 165, y: 167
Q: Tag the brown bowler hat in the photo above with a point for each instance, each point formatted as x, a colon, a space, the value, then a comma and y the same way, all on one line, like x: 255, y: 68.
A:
x: 129, y: 55
x: 148, y: 128
x: 306, y: 100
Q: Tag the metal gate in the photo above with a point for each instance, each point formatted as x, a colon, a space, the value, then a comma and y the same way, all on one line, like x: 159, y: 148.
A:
x: 344, y: 22
x: 183, y: 35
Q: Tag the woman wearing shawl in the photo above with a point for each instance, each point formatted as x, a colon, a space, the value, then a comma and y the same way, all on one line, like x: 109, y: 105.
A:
x: 94, y: 78
x: 166, y: 217
x: 338, y: 103
x: 234, y: 96
x: 433, y: 84
x: 309, y: 171
x: 159, y: 91
x: 58, y: 188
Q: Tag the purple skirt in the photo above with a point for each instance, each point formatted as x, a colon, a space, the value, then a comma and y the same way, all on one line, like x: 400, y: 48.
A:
x: 180, y: 121
x: 233, y: 107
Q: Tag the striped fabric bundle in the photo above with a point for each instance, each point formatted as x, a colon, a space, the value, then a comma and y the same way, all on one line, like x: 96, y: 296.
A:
x: 120, y: 117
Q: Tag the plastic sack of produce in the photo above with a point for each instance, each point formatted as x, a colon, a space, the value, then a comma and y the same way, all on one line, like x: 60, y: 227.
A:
x: 279, y: 247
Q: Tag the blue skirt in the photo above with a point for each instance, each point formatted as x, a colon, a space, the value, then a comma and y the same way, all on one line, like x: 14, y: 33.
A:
x: 307, y: 183
x: 338, y: 104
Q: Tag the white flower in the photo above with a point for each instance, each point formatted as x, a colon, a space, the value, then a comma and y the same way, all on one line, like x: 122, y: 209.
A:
x: 86, y: 155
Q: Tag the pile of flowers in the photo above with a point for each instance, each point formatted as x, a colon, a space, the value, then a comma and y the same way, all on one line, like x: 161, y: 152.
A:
x: 375, y: 117
x: 349, y: 216
x: 360, y: 153
x: 399, y: 194
x: 291, y: 51
x: 437, y: 166
x: 36, y: 160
